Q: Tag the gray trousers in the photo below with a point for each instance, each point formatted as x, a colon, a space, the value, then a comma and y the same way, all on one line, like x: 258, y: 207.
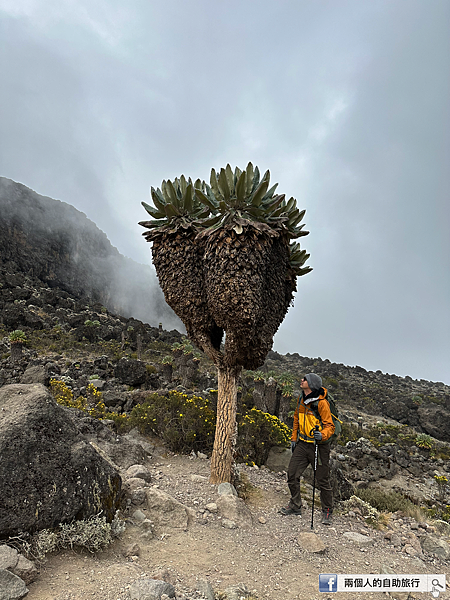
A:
x: 303, y: 456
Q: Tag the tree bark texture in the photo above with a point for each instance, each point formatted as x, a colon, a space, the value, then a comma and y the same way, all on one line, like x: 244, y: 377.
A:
x: 175, y: 254
x: 222, y: 459
x: 16, y: 352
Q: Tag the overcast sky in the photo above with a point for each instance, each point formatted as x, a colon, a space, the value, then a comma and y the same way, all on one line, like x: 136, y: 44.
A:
x: 346, y: 102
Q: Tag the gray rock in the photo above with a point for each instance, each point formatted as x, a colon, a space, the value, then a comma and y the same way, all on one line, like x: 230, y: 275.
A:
x: 358, y: 538
x: 311, y: 542
x: 234, y: 509
x: 278, y: 459
x: 165, y: 511
x: 37, y: 374
x: 26, y: 570
x: 130, y: 371
x: 49, y: 472
x: 226, y: 489
x: 205, y: 588
x: 434, y: 545
x: 138, y: 471
x: 150, y: 589
x: 99, y: 384
x: 8, y: 557
x: 11, y: 586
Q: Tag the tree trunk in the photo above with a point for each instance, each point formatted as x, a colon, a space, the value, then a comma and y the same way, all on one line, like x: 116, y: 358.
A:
x: 16, y: 352
x: 222, y: 459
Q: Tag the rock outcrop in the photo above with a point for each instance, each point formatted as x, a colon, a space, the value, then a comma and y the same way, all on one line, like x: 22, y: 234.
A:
x: 49, y: 473
x: 52, y: 241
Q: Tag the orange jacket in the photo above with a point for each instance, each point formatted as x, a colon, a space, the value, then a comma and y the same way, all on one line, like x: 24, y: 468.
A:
x: 305, y: 421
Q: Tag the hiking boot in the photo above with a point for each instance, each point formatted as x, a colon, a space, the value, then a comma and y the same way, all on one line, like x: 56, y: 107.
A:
x: 290, y: 511
x: 327, y: 518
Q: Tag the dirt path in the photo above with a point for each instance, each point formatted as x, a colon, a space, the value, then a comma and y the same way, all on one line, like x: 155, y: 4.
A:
x: 267, y: 557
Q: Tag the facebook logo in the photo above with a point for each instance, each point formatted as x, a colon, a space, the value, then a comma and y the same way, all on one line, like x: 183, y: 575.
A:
x: 327, y: 582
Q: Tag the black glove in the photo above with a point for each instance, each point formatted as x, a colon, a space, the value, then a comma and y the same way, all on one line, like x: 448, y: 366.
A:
x: 317, y: 435
x: 293, y: 444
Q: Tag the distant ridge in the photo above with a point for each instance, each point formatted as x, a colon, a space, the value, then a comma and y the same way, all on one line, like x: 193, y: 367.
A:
x: 56, y: 243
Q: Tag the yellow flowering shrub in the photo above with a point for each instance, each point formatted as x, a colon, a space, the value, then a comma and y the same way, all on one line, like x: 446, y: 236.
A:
x: 257, y: 433
x: 183, y: 422
x: 92, y: 404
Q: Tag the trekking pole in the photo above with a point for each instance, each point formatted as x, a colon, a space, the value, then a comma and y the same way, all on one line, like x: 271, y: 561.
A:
x: 316, y: 450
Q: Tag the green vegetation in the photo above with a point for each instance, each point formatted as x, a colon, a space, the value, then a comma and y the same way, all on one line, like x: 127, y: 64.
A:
x: 92, y: 534
x: 17, y: 337
x: 386, y: 501
x: 184, y: 422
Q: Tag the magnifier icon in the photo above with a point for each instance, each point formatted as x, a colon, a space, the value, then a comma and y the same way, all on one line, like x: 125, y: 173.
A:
x: 435, y: 592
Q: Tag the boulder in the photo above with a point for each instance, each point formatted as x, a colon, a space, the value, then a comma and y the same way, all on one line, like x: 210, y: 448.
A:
x: 434, y: 545
x: 49, y: 472
x: 233, y: 508
x: 36, y: 374
x: 165, y: 511
x: 26, y: 570
x: 150, y: 589
x: 11, y: 586
x: 278, y: 459
x: 434, y: 420
x: 130, y: 371
x: 311, y: 542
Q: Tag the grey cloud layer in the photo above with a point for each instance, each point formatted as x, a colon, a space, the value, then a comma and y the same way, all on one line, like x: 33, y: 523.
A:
x: 347, y: 103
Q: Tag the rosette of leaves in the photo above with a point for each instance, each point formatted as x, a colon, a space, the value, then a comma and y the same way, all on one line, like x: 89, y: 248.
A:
x: 250, y: 266
x: 177, y: 257
x: 17, y: 339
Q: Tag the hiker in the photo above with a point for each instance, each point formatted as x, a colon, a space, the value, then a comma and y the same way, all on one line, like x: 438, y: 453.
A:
x: 312, y: 425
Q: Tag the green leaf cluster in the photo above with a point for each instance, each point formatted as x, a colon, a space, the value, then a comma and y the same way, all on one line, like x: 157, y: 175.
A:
x: 175, y: 205
x: 236, y: 199
x: 17, y: 337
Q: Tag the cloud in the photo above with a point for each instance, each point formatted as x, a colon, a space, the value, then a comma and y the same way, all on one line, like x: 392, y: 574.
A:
x: 347, y: 104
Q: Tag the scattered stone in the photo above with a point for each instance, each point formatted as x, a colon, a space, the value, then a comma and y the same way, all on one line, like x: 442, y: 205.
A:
x: 234, y: 508
x: 212, y: 507
x: 205, y: 588
x: 138, y: 471
x: 226, y: 489
x: 11, y: 586
x: 198, y: 478
x: 311, y: 542
x: 150, y: 589
x: 358, y: 538
x: 132, y: 550
x: 262, y: 520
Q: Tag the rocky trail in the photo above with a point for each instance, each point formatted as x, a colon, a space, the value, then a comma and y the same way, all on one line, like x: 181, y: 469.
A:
x: 265, y: 556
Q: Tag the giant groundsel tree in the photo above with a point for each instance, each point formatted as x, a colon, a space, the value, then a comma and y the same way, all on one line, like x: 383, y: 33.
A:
x: 226, y: 262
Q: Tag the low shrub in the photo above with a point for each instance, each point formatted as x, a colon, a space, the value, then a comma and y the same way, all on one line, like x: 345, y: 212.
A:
x: 257, y: 433
x: 183, y: 422
x: 386, y: 501
x: 92, y: 534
